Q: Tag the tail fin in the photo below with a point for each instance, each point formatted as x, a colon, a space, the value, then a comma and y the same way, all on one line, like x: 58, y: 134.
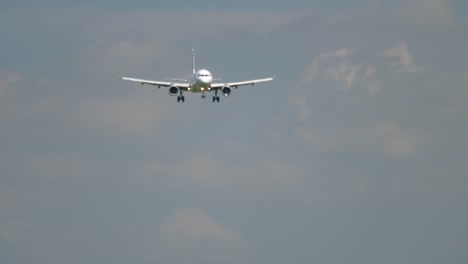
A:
x: 193, y: 61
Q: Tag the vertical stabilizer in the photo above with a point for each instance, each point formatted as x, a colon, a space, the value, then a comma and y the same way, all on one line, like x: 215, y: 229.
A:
x: 193, y: 61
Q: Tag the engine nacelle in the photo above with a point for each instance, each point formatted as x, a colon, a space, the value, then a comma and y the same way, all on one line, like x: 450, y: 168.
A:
x: 173, y: 90
x: 226, y: 90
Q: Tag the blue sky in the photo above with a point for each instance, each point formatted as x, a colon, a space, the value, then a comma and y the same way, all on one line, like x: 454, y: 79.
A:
x: 355, y: 153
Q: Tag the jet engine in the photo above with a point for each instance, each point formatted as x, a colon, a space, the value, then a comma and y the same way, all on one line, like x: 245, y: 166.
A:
x: 226, y: 90
x: 173, y: 90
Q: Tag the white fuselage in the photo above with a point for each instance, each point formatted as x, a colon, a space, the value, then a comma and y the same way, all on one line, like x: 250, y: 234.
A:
x: 200, y: 81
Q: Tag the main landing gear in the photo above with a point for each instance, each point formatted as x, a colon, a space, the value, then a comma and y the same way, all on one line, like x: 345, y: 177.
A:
x: 216, y: 97
x: 181, y: 97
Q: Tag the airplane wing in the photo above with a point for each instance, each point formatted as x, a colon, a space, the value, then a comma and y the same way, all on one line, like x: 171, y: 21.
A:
x: 182, y: 86
x: 237, y: 84
x: 175, y: 79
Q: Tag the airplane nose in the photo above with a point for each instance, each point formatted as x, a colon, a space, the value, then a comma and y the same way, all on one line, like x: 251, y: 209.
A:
x: 205, y: 80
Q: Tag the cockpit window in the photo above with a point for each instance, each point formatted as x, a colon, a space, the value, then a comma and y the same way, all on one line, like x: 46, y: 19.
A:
x: 204, y: 75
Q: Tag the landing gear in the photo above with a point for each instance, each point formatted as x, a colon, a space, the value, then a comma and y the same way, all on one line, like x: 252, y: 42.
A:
x: 216, y: 97
x: 203, y: 96
x: 181, y: 97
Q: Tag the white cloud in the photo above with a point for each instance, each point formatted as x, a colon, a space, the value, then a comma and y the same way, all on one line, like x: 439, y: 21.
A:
x: 429, y: 14
x: 190, y: 234
x: 416, y: 16
x: 373, y: 84
x: 196, y: 226
x: 159, y: 24
x: 311, y: 71
x: 401, y: 52
x: 138, y: 115
x: 344, y: 69
x: 381, y: 138
x: 7, y: 79
x: 247, y: 174
x: 300, y: 103
x: 54, y: 166
x: 340, y: 68
x: 337, y: 68
x: 344, y: 73
x: 116, y: 57
x: 337, y: 73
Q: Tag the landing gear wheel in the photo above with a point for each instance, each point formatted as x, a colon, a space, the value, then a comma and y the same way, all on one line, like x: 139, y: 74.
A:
x: 216, y: 97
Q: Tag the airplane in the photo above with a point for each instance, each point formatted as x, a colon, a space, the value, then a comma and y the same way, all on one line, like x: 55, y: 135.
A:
x: 200, y: 81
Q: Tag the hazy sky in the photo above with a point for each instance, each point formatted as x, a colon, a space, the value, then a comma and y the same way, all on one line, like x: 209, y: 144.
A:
x: 356, y: 153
